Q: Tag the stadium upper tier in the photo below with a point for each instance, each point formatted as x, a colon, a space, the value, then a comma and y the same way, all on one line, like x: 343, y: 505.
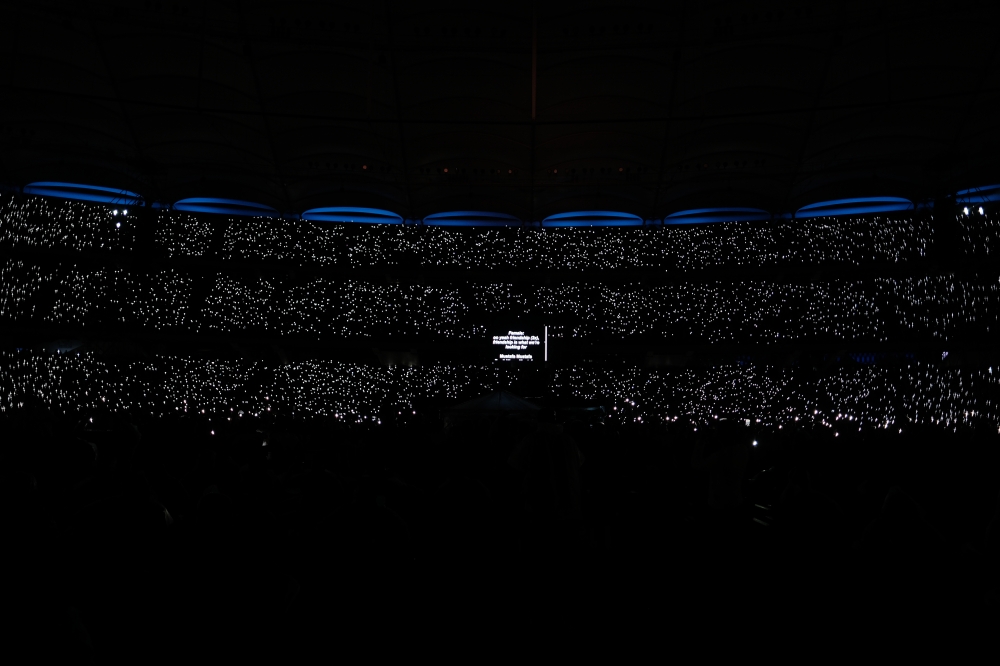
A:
x: 465, y: 218
x: 83, y: 266
x: 58, y: 224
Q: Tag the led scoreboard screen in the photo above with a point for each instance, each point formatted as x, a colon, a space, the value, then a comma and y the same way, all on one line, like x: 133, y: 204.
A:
x: 521, y: 344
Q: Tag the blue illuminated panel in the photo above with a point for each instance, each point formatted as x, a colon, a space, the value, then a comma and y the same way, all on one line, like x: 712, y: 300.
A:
x: 352, y: 215
x: 854, y: 207
x: 593, y: 218
x: 471, y: 218
x: 708, y: 215
x: 80, y: 192
x: 224, y: 206
x: 978, y: 194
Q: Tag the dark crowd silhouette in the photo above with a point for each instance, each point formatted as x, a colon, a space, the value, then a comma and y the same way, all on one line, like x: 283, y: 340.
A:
x: 134, y: 538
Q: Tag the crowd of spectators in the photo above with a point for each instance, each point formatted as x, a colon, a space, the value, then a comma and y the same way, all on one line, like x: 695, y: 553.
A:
x: 945, y: 308
x: 180, y: 505
x: 169, y: 295
x: 55, y: 224
x: 840, y: 398
x: 876, y: 239
x: 684, y: 249
x: 878, y: 309
x: 980, y: 232
x: 270, y: 539
x: 44, y: 223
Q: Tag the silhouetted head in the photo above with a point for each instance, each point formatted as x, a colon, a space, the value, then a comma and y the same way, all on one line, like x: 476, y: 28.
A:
x: 726, y: 433
x: 900, y: 507
x: 799, y: 481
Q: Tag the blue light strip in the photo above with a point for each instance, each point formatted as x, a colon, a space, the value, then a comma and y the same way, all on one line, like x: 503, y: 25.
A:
x: 471, y: 218
x: 593, y: 218
x: 978, y: 194
x: 863, y: 200
x: 351, y: 215
x: 224, y: 206
x: 468, y: 223
x: 853, y: 210
x: 710, y: 215
x: 80, y: 192
x: 859, y: 206
x: 853, y: 206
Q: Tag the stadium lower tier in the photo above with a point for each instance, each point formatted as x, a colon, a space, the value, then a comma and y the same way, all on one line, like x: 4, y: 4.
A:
x: 840, y: 399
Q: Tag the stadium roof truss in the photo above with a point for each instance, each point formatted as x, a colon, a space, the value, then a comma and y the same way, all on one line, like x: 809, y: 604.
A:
x: 519, y: 112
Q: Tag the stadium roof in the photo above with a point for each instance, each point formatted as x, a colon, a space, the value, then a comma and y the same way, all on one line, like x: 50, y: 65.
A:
x: 521, y: 109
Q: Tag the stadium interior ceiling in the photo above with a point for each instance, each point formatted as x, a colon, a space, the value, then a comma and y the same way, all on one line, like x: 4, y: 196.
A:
x: 524, y: 109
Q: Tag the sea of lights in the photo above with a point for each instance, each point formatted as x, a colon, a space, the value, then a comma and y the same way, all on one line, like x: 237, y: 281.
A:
x: 41, y: 223
x: 841, y: 399
x: 943, y: 308
x: 841, y: 241
x: 212, y: 279
x: 183, y: 234
x: 47, y: 223
x: 980, y: 234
